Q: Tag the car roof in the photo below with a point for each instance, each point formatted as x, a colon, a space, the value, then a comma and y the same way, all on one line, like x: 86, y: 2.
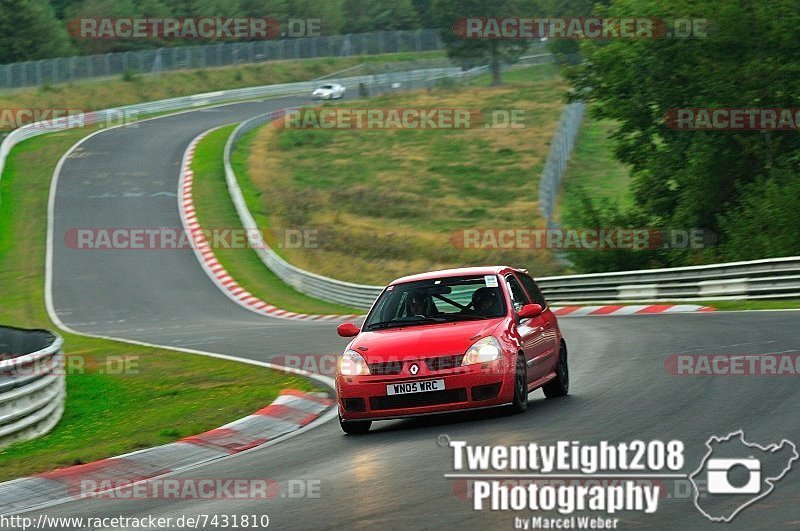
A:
x: 463, y: 271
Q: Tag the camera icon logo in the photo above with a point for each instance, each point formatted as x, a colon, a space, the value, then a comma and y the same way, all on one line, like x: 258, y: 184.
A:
x: 736, y: 473
x: 718, y: 476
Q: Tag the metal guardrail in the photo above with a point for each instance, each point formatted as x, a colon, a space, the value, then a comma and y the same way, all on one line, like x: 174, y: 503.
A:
x: 68, y: 69
x: 774, y: 278
x: 32, y: 383
x: 318, y: 286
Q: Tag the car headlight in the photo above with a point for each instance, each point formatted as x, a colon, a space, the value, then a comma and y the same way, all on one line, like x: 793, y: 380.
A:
x: 483, y: 350
x: 352, y: 364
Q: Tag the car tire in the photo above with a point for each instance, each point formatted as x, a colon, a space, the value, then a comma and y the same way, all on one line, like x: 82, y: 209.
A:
x: 355, y: 427
x: 559, y: 386
x: 520, y: 403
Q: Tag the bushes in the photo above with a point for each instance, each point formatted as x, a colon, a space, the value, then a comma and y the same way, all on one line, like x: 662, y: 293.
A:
x: 765, y: 223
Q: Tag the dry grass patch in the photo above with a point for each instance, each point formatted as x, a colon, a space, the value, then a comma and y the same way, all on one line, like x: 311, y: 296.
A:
x: 387, y: 202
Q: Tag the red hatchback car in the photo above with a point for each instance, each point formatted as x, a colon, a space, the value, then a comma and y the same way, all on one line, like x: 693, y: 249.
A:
x: 450, y: 340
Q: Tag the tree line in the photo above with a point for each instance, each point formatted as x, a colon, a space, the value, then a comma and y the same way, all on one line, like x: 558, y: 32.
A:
x: 38, y: 29
x: 739, y: 184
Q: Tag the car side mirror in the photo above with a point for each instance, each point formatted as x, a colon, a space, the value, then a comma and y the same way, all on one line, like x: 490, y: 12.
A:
x: 348, y: 330
x: 529, y: 311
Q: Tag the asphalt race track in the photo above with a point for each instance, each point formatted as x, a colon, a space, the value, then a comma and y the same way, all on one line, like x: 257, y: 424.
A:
x: 394, y: 476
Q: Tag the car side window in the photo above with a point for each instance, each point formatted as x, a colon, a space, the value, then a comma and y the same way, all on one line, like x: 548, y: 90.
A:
x: 533, y: 290
x: 517, y: 293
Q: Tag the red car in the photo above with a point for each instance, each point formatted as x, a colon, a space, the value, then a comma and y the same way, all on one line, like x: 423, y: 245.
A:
x: 450, y: 340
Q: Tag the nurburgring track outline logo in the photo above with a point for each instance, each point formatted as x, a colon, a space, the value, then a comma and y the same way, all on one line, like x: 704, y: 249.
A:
x: 718, y: 482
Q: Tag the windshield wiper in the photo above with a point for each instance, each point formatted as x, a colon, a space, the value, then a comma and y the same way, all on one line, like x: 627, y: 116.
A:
x: 403, y: 322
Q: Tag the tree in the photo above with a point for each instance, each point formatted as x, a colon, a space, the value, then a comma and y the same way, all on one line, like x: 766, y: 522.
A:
x: 329, y: 12
x: 423, y: 9
x: 448, y: 13
x: 378, y: 15
x: 277, y: 9
x: 748, y: 59
x: 30, y: 30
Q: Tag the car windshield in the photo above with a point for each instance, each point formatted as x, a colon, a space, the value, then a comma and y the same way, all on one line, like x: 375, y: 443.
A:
x: 326, y: 87
x: 438, y: 300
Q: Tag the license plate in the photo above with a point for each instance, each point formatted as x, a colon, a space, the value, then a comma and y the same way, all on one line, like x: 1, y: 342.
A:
x: 405, y: 388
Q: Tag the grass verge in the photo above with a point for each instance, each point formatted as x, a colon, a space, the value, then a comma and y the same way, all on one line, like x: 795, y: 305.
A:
x: 729, y: 306
x: 161, y: 397
x: 593, y: 168
x: 215, y: 209
x: 389, y: 202
x: 722, y: 306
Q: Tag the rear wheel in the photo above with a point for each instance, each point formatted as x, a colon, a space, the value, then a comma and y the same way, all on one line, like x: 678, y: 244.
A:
x: 520, y: 403
x: 355, y: 427
x: 559, y: 386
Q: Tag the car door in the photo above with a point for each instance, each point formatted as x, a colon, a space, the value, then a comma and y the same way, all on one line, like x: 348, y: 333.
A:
x: 528, y: 331
x: 546, y: 322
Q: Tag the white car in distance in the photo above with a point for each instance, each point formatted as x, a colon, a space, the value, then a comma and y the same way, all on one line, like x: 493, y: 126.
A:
x: 332, y: 91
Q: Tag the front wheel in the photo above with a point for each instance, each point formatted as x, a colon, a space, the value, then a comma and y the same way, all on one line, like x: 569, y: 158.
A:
x: 520, y: 403
x: 355, y: 427
x: 559, y: 386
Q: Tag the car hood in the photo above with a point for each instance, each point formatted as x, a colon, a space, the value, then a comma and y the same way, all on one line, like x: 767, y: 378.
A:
x: 414, y: 342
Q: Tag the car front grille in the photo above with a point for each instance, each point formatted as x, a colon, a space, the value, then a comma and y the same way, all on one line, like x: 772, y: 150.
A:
x: 444, y: 362
x: 432, y: 398
x: 384, y: 369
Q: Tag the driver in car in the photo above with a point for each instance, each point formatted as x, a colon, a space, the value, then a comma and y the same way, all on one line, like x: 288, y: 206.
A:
x: 417, y: 305
x: 486, y: 302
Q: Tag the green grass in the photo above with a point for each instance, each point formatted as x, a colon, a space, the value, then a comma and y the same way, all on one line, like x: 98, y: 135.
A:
x: 522, y: 74
x: 390, y: 202
x: 215, y: 209
x: 722, y: 306
x: 593, y: 167
x: 169, y: 395
x: 112, y: 92
x: 731, y: 305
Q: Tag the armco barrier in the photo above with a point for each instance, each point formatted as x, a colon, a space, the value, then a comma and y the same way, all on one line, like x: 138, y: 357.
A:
x: 32, y: 383
x: 774, y: 278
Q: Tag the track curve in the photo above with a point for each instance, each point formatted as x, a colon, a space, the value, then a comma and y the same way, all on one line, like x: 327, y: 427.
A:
x: 393, y: 477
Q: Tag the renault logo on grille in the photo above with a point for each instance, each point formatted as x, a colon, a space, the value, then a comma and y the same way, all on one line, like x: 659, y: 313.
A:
x: 414, y: 369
